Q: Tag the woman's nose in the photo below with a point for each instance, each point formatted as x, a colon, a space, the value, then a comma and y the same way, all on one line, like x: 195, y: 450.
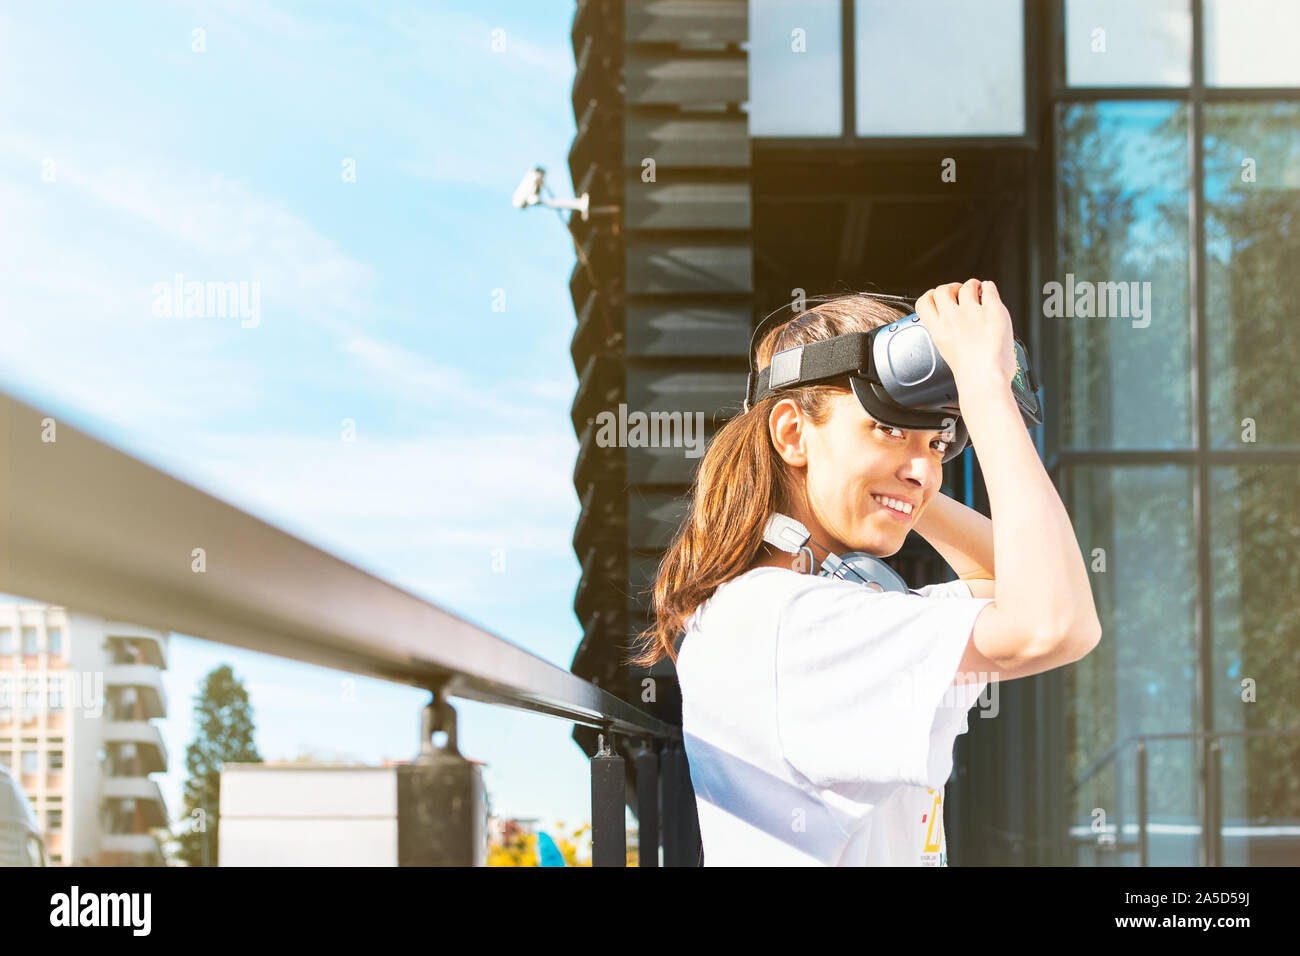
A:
x: 913, y: 470
x: 916, y: 467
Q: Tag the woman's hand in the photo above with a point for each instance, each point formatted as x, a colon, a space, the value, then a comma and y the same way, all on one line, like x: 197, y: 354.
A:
x: 971, y: 328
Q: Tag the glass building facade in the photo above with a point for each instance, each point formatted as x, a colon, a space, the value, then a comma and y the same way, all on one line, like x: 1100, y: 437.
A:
x: 1177, y: 165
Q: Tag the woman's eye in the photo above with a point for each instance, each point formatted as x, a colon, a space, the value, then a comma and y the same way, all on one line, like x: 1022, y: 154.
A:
x: 890, y: 430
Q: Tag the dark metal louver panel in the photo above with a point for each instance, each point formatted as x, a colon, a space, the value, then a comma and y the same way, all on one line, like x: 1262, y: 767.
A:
x: 685, y: 330
x: 664, y: 266
x: 698, y: 205
x: 686, y: 390
x: 601, y: 586
x: 676, y: 140
x: 601, y: 520
x: 595, y: 463
x: 663, y: 466
x: 653, y: 518
x: 599, y: 389
x: 685, y: 79
x: 593, y: 77
x: 686, y: 22
x: 594, y: 331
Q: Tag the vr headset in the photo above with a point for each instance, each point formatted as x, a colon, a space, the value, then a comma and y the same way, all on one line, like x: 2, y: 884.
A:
x: 895, y: 371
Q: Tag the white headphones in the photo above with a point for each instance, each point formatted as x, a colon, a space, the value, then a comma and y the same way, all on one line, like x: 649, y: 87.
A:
x: 792, y: 536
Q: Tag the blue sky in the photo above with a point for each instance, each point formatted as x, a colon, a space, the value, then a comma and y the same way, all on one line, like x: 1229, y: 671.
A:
x: 127, y: 157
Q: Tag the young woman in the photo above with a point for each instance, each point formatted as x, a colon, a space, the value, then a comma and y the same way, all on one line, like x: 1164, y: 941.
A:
x: 819, y: 715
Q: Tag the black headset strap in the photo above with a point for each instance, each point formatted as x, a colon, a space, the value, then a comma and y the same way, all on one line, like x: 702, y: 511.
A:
x: 816, y: 362
x: 774, y: 318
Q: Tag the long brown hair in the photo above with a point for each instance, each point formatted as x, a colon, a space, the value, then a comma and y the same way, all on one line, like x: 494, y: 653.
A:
x: 742, y: 480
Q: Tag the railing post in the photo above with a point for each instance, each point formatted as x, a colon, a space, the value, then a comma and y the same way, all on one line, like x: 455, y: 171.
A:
x: 681, y: 823
x: 1214, y: 808
x: 668, y: 770
x: 608, y: 813
x: 441, y: 802
x: 1143, y: 857
x: 646, y: 761
x: 689, y: 819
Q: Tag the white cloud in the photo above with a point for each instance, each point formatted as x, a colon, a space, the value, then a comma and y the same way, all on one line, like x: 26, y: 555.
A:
x: 439, y: 384
x: 188, y: 215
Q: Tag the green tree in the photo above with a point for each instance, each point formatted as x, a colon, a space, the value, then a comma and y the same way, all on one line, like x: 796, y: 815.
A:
x: 225, y: 733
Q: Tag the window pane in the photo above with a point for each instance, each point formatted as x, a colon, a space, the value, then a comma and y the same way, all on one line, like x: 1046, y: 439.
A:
x: 6, y: 640
x: 1142, y: 676
x: 29, y: 640
x: 796, y: 78
x: 1252, y: 43
x: 1255, y: 536
x: 939, y: 68
x: 1252, y: 202
x: 1121, y: 292
x: 1121, y: 43
x: 55, y: 638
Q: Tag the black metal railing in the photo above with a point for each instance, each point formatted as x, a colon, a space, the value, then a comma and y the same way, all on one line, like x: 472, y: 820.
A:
x: 89, y: 527
x: 1212, y: 809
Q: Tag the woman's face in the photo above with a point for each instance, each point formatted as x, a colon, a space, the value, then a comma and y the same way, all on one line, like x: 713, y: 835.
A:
x: 852, y: 461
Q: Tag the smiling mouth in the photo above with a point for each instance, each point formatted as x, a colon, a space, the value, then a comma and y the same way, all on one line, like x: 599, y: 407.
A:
x: 895, y: 507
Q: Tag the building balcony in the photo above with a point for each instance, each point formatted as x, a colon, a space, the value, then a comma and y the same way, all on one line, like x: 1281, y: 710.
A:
x: 149, y: 746
x: 146, y: 794
x: 147, y: 681
x: 152, y: 644
x: 143, y: 847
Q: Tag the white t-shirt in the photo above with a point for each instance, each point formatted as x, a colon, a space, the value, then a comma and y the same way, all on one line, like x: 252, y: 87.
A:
x: 819, y: 718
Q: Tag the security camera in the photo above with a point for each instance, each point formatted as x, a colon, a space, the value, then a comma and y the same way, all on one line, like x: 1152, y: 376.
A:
x: 529, y: 191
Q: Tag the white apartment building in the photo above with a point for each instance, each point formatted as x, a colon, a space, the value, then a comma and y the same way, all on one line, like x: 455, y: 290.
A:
x: 78, y: 697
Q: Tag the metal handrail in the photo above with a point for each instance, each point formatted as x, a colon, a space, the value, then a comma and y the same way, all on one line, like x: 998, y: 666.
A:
x: 1115, y: 748
x: 86, y: 526
x: 1212, y: 823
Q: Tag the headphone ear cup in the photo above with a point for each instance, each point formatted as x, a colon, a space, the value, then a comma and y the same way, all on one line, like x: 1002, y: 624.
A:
x: 959, y: 439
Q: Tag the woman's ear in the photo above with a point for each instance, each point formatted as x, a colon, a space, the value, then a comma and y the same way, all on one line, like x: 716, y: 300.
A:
x: 786, y: 426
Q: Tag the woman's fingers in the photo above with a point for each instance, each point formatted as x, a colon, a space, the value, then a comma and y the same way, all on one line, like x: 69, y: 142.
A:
x: 926, y: 308
x: 969, y: 293
x: 945, y: 296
